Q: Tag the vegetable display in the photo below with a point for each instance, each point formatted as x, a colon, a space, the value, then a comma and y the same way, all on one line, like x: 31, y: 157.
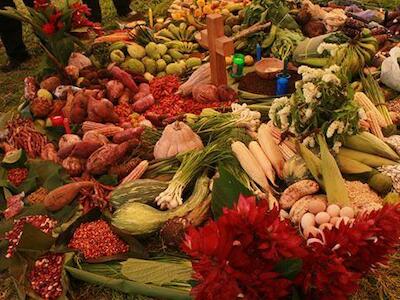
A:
x: 130, y: 166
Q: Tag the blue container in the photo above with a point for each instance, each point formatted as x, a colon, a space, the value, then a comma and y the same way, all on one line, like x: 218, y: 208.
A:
x: 282, y: 83
x: 258, y: 52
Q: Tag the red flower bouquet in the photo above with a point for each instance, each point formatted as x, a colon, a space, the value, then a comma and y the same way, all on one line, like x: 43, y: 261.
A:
x: 238, y: 256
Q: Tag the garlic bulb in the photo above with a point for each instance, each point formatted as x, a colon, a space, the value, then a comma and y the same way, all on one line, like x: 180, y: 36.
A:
x: 176, y: 138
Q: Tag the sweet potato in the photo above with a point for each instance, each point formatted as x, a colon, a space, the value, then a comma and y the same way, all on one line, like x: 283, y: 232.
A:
x: 95, y: 137
x: 115, y: 89
x: 124, y: 77
x: 84, y: 149
x: 79, y: 107
x: 144, y: 88
x: 128, y: 134
x: 64, y: 195
x: 50, y: 83
x: 143, y: 104
x: 102, y: 159
x: 101, y: 111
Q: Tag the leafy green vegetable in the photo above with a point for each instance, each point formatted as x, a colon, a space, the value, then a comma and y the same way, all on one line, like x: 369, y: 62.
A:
x: 289, y: 268
x: 155, y: 272
x: 226, y: 191
x: 107, y: 179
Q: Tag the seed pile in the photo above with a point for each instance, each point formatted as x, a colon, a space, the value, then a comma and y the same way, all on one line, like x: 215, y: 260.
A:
x: 42, y: 222
x: 17, y: 175
x: 96, y: 239
x: 45, y: 277
x: 394, y: 173
x: 362, y: 197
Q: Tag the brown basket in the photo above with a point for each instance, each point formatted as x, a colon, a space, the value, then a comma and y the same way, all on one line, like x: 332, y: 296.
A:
x: 264, y: 68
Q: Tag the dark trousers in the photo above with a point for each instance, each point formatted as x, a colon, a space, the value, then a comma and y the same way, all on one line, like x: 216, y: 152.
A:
x: 122, y: 7
x: 11, y: 32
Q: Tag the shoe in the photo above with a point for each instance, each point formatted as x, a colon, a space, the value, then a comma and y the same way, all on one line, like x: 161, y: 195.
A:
x: 14, y: 63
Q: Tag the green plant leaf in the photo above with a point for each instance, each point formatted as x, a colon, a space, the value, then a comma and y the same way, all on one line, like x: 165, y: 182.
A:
x: 156, y: 272
x: 226, y: 191
x: 107, y: 179
x: 33, y: 239
x: 289, y: 268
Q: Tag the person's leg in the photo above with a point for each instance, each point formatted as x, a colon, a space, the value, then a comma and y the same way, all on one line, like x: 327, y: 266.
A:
x: 95, y: 10
x: 11, y: 36
x: 122, y: 7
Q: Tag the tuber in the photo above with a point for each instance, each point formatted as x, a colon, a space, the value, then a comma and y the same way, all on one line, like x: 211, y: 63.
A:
x: 50, y: 83
x: 79, y: 60
x: 84, y: 149
x: 128, y: 134
x: 227, y: 93
x: 124, y: 77
x: 64, y: 195
x: 143, y: 104
x: 101, y: 111
x: 115, y: 89
x: 205, y: 93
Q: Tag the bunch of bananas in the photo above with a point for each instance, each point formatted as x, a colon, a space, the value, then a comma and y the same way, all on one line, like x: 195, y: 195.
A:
x: 179, y: 37
x: 354, y: 55
x: 182, y: 33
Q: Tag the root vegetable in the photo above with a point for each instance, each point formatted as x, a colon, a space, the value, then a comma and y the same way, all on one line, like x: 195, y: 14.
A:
x: 74, y: 166
x: 68, y: 140
x: 205, y: 93
x: 271, y: 150
x: 101, y: 159
x: 50, y: 83
x: 128, y: 135
x: 95, y: 137
x: 79, y: 60
x: 64, y: 195
x: 296, y: 191
x: 30, y: 88
x: 143, y: 104
x: 115, y: 89
x: 263, y: 161
x: 226, y: 93
x: 84, y: 149
x: 101, y: 111
x: 124, y: 77
x: 144, y: 88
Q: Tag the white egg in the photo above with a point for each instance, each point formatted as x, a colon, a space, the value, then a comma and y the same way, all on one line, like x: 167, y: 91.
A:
x: 316, y: 206
x: 328, y: 226
x: 322, y: 217
x: 333, y: 210
x: 341, y: 220
x: 310, y: 231
x: 307, y: 220
x: 334, y: 220
x: 347, y: 212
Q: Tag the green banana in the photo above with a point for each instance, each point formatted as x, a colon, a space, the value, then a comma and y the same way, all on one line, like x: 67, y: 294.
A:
x: 174, y: 30
x: 367, y: 55
x: 166, y: 34
x: 271, y: 37
x: 190, y: 31
x: 368, y: 47
x: 182, y: 31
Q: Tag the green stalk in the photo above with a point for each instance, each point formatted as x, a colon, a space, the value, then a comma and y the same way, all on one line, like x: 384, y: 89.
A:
x: 128, y: 286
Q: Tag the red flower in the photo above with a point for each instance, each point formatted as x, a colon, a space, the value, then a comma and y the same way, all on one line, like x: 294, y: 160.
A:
x: 60, y: 25
x: 55, y: 17
x: 81, y: 8
x: 236, y: 255
x: 49, y: 28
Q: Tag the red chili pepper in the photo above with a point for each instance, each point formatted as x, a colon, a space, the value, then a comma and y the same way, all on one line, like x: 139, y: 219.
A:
x: 57, y: 121
x: 67, y: 126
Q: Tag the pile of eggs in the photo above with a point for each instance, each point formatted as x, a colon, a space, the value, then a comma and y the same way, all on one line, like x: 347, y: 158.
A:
x: 320, y: 216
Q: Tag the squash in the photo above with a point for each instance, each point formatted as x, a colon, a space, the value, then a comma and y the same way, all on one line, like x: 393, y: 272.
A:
x: 139, y: 190
x: 176, y: 138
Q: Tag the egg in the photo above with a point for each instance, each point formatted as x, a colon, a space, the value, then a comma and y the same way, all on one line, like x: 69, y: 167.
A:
x: 341, y: 220
x: 333, y: 210
x: 307, y: 220
x: 283, y: 214
x: 328, y: 226
x: 322, y: 217
x: 334, y: 220
x: 310, y: 231
x: 316, y: 206
x: 347, y: 212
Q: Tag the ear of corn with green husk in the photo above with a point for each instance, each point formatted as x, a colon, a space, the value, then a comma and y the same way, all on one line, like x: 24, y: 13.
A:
x: 334, y: 183
x: 137, y: 218
x: 366, y: 158
x: 348, y: 165
x: 313, y: 163
x: 369, y: 143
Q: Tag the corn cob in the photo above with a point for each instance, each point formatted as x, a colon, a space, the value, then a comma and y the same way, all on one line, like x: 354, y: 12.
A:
x: 286, y: 151
x: 368, y: 106
x: 369, y: 143
x: 250, y: 165
x: 136, y: 172
x: 124, y: 169
x: 374, y: 124
x: 366, y: 158
x: 333, y: 181
x: 109, y: 130
x: 313, y: 163
x: 350, y: 166
x: 290, y: 144
x: 89, y: 125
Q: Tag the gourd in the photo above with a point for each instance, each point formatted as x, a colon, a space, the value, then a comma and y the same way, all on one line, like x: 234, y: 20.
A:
x: 139, y: 190
x: 138, y: 218
x: 176, y: 138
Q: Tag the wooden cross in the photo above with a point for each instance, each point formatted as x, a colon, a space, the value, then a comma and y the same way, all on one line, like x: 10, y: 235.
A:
x: 218, y: 45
